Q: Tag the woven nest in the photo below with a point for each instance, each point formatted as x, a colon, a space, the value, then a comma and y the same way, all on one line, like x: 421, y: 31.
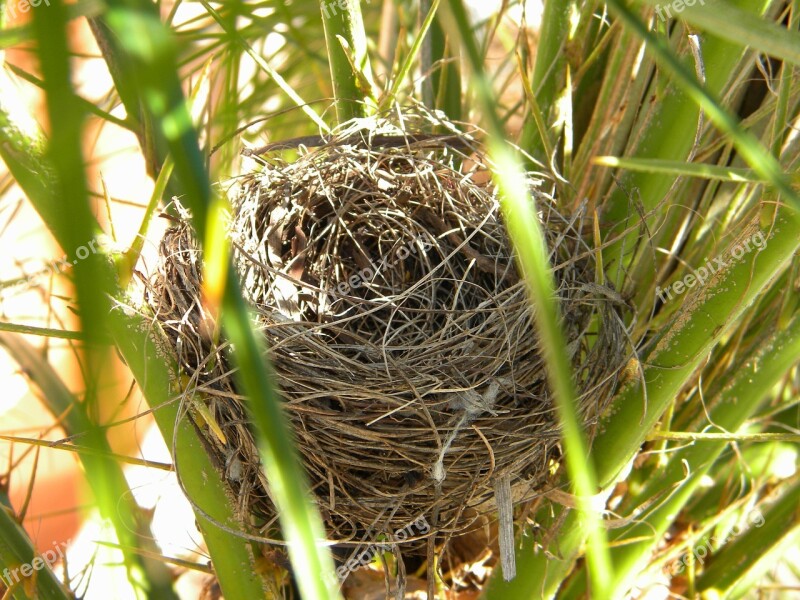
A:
x: 400, y: 332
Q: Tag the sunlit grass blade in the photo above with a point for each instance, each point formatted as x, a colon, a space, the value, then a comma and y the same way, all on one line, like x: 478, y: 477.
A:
x: 66, y: 204
x: 526, y: 234
x: 680, y: 169
x: 154, y: 69
x: 654, y: 134
x: 232, y: 555
x: 408, y: 62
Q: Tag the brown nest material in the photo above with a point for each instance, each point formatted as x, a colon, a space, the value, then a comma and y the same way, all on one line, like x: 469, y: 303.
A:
x: 399, y: 329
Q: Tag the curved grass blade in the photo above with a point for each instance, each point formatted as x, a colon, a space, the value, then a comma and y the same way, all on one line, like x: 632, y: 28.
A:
x: 23, y: 152
x: 68, y: 208
x: 153, y: 59
x: 525, y: 232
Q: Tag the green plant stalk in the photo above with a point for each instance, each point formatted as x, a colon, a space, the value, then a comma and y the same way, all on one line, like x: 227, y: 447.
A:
x: 350, y: 80
x: 737, y: 402
x: 78, y: 227
x: 526, y: 234
x: 405, y: 68
x: 154, y: 69
x: 16, y: 550
x: 710, y: 314
x: 446, y: 80
x: 762, y: 162
x: 549, y: 73
x: 231, y: 553
x: 233, y: 560
x: 706, y: 314
x: 752, y: 553
x: 737, y: 25
x: 675, y: 112
x: 232, y: 556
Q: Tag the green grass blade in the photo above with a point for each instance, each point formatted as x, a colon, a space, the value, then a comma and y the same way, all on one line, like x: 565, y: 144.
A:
x: 736, y: 25
x: 217, y: 518
x: 741, y: 562
x: 230, y: 554
x: 405, y: 68
x: 548, y: 74
x: 351, y: 74
x: 526, y: 234
x: 43, y: 331
x: 103, y: 472
x: 153, y: 61
x: 654, y: 137
x: 680, y: 169
x: 761, y: 161
x: 738, y: 401
x: 16, y: 550
x: 68, y: 209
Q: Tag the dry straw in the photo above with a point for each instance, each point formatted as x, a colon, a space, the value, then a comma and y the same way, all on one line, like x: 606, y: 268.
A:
x: 401, y: 334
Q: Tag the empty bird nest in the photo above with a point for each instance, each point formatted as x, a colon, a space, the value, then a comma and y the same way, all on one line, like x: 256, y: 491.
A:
x: 399, y: 329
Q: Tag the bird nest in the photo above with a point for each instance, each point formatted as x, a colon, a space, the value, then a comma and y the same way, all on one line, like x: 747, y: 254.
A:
x: 399, y: 329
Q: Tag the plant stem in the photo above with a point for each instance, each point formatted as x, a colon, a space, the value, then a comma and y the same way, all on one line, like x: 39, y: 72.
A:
x: 16, y: 550
x: 347, y: 55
